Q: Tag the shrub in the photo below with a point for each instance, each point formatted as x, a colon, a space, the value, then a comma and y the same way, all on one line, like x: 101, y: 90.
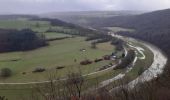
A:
x: 5, y: 72
x: 38, y: 70
x: 106, y: 57
x: 23, y: 73
x: 60, y: 67
x: 98, y: 60
x: 85, y: 62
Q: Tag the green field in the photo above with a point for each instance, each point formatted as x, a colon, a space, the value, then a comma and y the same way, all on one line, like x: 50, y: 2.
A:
x: 22, y: 24
x: 38, y: 26
x: 66, y: 53
x: 21, y: 90
x: 58, y: 53
x: 50, y: 35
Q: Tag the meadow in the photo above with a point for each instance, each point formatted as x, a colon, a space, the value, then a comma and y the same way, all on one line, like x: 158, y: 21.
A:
x: 58, y: 53
x: 66, y: 53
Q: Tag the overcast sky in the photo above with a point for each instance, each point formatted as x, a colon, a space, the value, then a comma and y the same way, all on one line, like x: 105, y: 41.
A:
x: 41, y: 6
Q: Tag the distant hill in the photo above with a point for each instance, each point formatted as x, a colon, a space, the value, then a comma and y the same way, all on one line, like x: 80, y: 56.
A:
x: 153, y: 27
x: 157, y: 19
x: 55, y: 22
x: 14, y: 17
x: 84, y: 18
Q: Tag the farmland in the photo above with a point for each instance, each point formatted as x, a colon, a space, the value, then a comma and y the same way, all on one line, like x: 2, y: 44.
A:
x: 62, y: 57
x: 59, y: 53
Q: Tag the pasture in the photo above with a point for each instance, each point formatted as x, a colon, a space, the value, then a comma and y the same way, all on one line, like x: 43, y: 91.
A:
x: 58, y: 53
x: 60, y: 58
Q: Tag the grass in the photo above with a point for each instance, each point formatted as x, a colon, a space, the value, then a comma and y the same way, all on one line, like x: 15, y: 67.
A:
x: 22, y: 24
x: 142, y: 63
x: 105, y: 46
x: 37, y: 26
x: 62, y: 52
x: 59, y: 53
x: 91, y: 81
x: 50, y: 35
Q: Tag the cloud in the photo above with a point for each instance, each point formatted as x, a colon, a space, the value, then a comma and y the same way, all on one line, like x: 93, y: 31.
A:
x: 144, y: 4
x: 40, y: 6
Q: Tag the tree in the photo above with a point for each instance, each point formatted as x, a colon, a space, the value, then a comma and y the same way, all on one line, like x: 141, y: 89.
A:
x: 26, y: 39
x: 74, y: 84
x: 57, y: 89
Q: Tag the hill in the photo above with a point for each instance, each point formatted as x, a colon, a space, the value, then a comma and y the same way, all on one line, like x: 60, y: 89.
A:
x: 84, y: 18
x: 153, y: 27
x: 15, y: 17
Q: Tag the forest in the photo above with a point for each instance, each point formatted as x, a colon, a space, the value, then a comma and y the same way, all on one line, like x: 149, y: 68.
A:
x: 23, y: 40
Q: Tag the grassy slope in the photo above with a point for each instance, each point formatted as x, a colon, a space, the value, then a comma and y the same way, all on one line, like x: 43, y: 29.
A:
x: 98, y: 77
x: 56, y: 54
x: 50, y: 35
x: 21, y: 24
x: 59, y: 53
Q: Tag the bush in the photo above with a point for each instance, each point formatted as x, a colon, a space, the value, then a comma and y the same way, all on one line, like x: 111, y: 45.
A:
x: 98, y: 60
x: 85, y: 62
x: 5, y: 72
x: 38, y: 70
x: 60, y: 67
x: 106, y: 57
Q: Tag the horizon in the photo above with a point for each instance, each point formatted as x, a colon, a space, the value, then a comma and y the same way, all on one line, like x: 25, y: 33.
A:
x: 84, y: 11
x: 48, y: 6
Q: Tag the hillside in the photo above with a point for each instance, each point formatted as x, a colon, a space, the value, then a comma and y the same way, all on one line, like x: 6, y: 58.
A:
x: 153, y: 27
x: 148, y: 26
x: 84, y: 18
x: 157, y: 19
x: 15, y: 17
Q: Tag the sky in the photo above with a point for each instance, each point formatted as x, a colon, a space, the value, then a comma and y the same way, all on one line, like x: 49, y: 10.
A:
x: 44, y: 6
